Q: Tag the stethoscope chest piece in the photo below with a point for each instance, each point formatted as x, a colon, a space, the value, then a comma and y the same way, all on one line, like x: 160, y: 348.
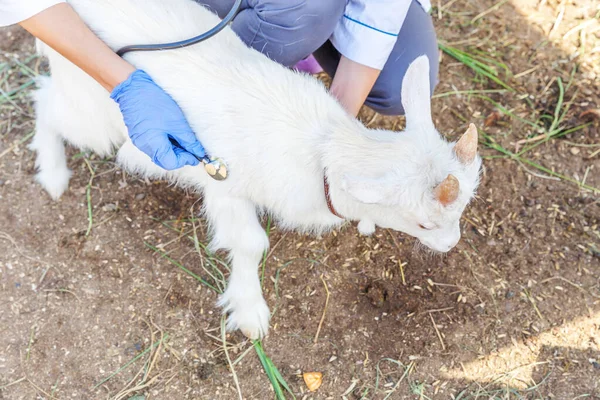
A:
x: 215, y: 168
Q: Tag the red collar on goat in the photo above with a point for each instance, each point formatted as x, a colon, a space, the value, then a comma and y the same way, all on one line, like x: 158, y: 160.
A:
x: 328, y: 198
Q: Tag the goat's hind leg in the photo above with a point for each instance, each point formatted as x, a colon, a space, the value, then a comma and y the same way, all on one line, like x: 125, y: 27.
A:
x: 51, y: 161
x: 236, y: 228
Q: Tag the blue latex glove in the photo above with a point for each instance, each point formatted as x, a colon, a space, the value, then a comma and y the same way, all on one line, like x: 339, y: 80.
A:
x: 152, y: 117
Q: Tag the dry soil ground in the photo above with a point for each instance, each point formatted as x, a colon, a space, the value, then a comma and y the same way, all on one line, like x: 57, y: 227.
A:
x: 512, y: 312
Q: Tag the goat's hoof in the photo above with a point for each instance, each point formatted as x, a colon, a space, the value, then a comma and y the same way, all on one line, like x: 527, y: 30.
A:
x: 55, y: 182
x: 250, y: 316
x: 252, y: 334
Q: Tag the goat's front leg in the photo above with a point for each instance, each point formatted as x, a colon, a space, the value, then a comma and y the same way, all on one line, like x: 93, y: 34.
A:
x: 236, y: 228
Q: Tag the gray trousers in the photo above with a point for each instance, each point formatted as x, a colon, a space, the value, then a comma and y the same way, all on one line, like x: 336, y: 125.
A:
x: 287, y: 31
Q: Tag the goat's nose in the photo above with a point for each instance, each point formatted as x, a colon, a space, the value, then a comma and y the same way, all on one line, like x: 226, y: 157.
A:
x: 452, y: 245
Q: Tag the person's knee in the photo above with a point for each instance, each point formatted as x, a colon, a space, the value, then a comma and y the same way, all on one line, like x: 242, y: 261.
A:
x: 288, y: 30
x: 313, y: 14
x: 324, y: 15
x: 387, y: 106
x: 386, y: 96
x: 301, y: 20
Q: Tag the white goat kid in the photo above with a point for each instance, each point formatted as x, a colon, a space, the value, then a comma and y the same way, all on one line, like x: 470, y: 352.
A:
x: 279, y: 131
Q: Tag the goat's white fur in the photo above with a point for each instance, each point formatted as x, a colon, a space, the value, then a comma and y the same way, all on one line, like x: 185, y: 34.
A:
x: 278, y: 131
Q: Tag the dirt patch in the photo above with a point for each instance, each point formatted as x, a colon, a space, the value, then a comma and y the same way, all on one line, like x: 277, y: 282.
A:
x: 515, y: 305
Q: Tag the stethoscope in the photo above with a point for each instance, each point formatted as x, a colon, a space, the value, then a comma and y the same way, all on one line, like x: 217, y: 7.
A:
x: 214, y: 166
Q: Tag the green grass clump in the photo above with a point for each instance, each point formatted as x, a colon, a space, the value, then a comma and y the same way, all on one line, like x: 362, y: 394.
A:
x: 481, y: 64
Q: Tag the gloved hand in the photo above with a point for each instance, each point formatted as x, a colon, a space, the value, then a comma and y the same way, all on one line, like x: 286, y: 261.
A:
x: 152, y: 117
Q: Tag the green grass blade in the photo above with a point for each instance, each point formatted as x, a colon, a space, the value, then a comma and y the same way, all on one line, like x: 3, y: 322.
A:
x: 558, y: 135
x: 476, y: 64
x: 407, y: 369
x: 216, y: 274
x: 556, y: 174
x: 272, y: 372
x: 279, y: 377
x: 8, y: 96
x: 467, y: 92
x: 88, y: 196
x: 24, y: 68
x: 492, y: 144
x: 485, y: 57
x: 277, y: 274
x: 181, y: 267
x: 504, y: 110
x: 212, y: 257
x: 263, y: 360
x: 131, y: 361
x: 557, y: 115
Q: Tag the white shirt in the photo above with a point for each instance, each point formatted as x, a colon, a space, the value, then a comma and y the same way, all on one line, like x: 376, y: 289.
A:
x: 365, y: 34
x: 13, y: 11
x: 368, y: 30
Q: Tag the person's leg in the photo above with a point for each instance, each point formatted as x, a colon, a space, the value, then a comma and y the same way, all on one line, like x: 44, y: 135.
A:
x: 417, y: 37
x: 286, y: 31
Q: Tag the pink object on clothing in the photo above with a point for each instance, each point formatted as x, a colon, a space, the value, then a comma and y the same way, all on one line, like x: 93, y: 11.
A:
x: 309, y: 64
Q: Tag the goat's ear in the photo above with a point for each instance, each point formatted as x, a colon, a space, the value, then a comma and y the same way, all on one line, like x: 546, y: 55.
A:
x: 416, y: 93
x: 366, y: 190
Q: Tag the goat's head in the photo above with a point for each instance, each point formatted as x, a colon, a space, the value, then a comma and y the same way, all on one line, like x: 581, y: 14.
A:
x: 419, y: 183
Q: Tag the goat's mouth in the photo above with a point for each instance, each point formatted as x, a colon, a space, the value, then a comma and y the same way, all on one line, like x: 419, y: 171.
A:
x: 425, y: 248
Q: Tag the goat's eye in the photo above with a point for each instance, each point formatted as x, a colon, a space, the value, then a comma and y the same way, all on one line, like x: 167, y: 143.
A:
x: 425, y: 227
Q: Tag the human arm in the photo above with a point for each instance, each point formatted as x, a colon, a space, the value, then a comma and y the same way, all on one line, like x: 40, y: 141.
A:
x: 150, y: 114
x: 352, y: 83
x: 61, y: 28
